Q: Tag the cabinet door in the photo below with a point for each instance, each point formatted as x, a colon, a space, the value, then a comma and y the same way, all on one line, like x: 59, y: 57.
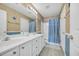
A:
x: 23, y: 50
x: 29, y: 48
x: 34, y: 53
x: 38, y: 45
x: 13, y: 52
x: 26, y: 49
x: 42, y: 42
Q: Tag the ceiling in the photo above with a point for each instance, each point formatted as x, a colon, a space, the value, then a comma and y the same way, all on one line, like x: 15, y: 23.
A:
x: 48, y: 9
x: 21, y: 9
x: 45, y: 9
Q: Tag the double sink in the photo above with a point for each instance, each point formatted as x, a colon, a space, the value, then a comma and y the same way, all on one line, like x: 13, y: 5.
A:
x: 12, y: 37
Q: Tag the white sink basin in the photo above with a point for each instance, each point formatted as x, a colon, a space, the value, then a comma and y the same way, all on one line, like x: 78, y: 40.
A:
x: 13, y: 37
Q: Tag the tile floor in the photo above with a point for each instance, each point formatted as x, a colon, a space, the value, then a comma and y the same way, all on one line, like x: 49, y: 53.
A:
x: 52, y: 51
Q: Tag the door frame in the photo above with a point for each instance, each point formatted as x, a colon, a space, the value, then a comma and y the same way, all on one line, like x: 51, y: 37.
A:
x: 5, y: 12
x: 5, y: 18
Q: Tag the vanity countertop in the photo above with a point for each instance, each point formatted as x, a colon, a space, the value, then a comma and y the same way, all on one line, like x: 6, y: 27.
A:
x: 16, y: 41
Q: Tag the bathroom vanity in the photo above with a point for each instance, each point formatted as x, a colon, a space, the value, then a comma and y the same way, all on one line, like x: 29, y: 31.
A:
x: 30, y: 45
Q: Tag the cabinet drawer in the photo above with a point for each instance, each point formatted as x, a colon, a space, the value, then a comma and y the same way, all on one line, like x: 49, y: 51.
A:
x: 26, y: 49
x: 13, y: 52
x: 34, y: 50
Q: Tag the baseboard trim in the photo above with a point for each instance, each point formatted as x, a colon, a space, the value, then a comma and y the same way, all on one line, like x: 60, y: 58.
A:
x: 56, y: 44
x: 41, y: 51
x: 52, y: 45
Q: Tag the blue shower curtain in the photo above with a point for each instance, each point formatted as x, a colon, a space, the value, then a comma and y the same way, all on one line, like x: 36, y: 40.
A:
x: 54, y: 26
x: 32, y: 26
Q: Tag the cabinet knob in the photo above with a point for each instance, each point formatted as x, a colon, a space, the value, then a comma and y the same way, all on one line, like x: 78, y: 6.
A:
x: 36, y: 40
x: 14, y: 52
x: 22, y: 47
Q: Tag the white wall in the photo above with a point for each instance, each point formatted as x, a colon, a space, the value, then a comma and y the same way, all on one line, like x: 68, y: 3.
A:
x: 3, y: 23
x: 74, y: 28
x: 44, y: 29
x: 62, y: 28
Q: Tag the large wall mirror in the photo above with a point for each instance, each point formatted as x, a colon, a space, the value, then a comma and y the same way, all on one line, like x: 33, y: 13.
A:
x: 16, y: 18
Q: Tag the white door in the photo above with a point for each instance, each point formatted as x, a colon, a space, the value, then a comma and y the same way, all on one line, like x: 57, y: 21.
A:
x: 24, y: 25
x: 3, y: 22
x: 62, y: 33
x: 74, y: 29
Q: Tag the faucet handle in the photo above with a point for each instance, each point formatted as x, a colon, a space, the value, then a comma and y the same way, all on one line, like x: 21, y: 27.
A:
x: 71, y: 37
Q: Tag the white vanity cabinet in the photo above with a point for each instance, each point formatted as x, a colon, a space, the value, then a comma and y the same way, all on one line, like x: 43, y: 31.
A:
x: 32, y: 47
x: 29, y: 48
x: 38, y: 44
x: 26, y: 49
x: 12, y: 52
x: 23, y: 50
x: 36, y: 47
